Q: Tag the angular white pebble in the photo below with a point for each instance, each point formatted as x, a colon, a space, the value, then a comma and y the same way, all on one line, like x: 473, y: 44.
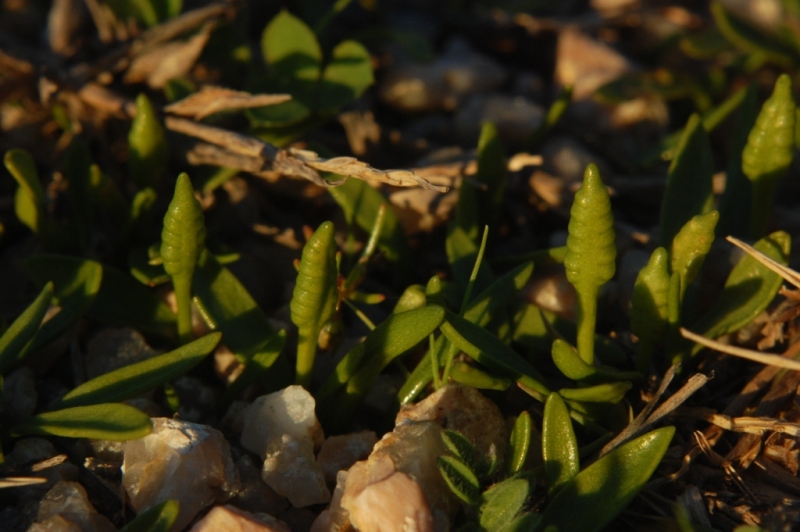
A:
x: 184, y: 461
x: 339, y: 453
x: 292, y: 471
x: 230, y: 519
x: 288, y: 411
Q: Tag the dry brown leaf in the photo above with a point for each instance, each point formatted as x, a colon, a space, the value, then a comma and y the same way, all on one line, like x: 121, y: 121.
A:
x: 212, y: 100
x: 352, y: 167
x: 174, y: 59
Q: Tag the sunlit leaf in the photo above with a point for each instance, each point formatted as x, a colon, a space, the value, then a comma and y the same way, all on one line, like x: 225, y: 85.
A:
x: 114, y: 421
x: 559, y: 444
x: 14, y: 339
x: 158, y: 518
x: 131, y: 380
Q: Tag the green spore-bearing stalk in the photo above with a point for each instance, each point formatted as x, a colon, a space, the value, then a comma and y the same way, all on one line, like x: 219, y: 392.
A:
x: 769, y: 151
x: 182, y: 241
x: 315, y: 297
x: 590, y: 253
x: 147, y: 143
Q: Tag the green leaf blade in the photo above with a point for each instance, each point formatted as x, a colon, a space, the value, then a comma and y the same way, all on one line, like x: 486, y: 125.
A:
x: 114, y: 421
x: 29, y: 198
x: 17, y: 336
x: 519, y: 443
x: 559, y: 444
x: 346, y: 77
x: 606, y: 487
x: 134, y: 379
x: 501, y: 503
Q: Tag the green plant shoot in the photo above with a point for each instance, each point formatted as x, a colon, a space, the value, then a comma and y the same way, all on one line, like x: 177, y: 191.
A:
x: 649, y: 306
x: 691, y: 245
x: 769, y: 152
x: 182, y: 241
x: 315, y: 297
x: 147, y: 142
x: 29, y: 198
x: 590, y: 253
x: 559, y: 444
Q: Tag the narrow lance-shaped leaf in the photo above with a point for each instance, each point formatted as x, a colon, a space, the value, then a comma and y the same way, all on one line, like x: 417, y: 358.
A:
x: 568, y: 360
x: 649, y: 307
x: 559, y: 444
x: 750, y: 287
x: 769, y: 151
x: 691, y: 245
x: 114, y: 421
x: 605, y: 488
x: 689, y: 181
x: 158, y: 518
x: 29, y: 198
x: 131, y: 380
x: 590, y: 253
x: 315, y: 297
x: 501, y: 503
x: 14, y: 339
x: 607, y: 392
x: 182, y: 241
x: 519, y: 443
x: 147, y: 142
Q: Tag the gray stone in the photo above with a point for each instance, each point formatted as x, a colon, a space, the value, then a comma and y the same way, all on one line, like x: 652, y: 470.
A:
x: 292, y: 471
x: 67, y: 501
x: 19, y: 394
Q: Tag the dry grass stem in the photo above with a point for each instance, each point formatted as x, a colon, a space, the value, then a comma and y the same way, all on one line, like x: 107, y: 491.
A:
x: 755, y: 356
x: 212, y: 100
x: 787, y: 273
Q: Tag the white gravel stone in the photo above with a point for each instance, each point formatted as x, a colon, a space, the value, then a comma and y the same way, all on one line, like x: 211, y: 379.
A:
x: 292, y: 471
x: 288, y: 411
x: 184, y: 461
x: 230, y: 519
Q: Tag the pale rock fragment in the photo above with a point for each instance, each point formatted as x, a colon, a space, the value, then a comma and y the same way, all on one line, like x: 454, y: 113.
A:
x: 288, y: 411
x: 178, y: 460
x: 399, y: 487
x: 334, y: 518
x: 230, y: 519
x: 466, y: 410
x: 292, y: 471
x: 67, y: 507
x: 586, y: 64
x: 339, y: 453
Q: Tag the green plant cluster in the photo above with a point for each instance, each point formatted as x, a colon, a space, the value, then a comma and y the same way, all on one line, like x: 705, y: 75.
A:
x: 471, y: 328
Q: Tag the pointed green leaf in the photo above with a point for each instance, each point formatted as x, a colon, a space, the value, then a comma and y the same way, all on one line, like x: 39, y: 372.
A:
x: 158, y: 518
x: 315, y: 296
x: 121, y: 301
x: 567, y: 360
x: 131, y: 380
x: 691, y: 245
x: 689, y: 186
x: 16, y: 337
x: 649, y: 307
x: 291, y: 48
x: 29, y: 198
x: 461, y: 254
x: 147, y: 142
x: 607, y: 392
x: 591, y: 253
x: 460, y: 447
x: 559, y: 444
x: 464, y: 373
x: 346, y: 77
x: 460, y: 479
x: 114, y: 421
x: 601, y: 491
x: 519, y: 443
x: 750, y: 287
x: 769, y: 151
x: 501, y: 503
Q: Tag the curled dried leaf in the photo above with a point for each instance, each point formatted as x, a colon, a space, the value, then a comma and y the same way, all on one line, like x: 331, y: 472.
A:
x: 212, y: 100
